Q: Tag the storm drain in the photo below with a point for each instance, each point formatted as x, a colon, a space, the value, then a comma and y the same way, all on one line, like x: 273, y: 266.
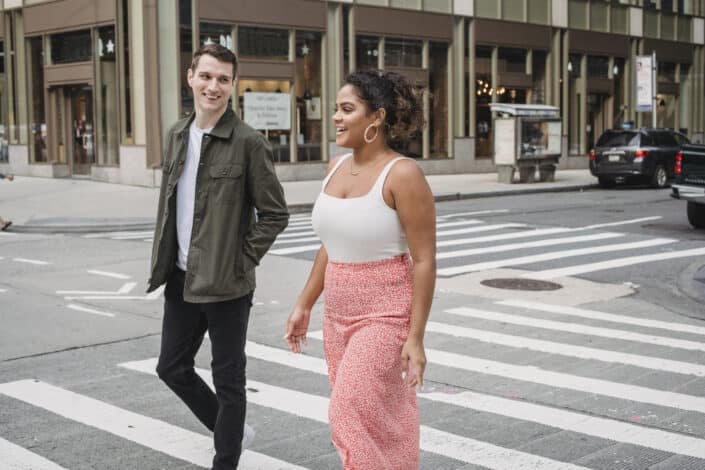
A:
x: 520, y: 284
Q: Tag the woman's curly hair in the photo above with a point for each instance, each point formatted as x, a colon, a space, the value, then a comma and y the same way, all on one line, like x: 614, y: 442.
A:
x: 394, y: 93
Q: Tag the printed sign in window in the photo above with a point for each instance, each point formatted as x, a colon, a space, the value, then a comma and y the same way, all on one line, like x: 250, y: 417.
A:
x: 267, y: 111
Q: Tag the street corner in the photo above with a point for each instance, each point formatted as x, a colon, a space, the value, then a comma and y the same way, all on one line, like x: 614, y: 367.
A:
x: 502, y: 284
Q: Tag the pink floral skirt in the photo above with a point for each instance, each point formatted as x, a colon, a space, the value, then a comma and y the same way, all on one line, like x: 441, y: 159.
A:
x: 373, y: 415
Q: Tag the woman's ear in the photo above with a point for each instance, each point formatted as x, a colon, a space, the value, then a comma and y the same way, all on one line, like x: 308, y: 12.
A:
x: 381, y: 115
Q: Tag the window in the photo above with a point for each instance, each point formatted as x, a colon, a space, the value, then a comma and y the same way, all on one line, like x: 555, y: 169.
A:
x: 438, y: 100
x: 598, y: 66
x: 37, y: 117
x: 3, y: 107
x: 309, y: 112
x: 402, y: 53
x: 106, y: 101
x: 186, y: 49
x: 367, y: 52
x: 263, y: 43
x: 126, y: 86
x: 211, y: 33
x: 71, y: 47
x: 512, y: 60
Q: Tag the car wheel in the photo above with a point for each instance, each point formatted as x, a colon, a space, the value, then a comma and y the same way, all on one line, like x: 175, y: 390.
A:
x: 605, y: 182
x: 660, y: 178
x: 696, y: 214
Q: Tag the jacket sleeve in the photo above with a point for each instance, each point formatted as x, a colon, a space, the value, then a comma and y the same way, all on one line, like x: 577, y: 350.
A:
x: 267, y: 196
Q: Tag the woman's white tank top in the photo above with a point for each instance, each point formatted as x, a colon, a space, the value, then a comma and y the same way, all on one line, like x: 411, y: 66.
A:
x: 358, y: 229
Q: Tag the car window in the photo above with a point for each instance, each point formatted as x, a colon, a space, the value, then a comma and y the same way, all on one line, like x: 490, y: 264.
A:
x: 681, y: 139
x: 665, y: 139
x: 618, y: 139
x: 647, y: 140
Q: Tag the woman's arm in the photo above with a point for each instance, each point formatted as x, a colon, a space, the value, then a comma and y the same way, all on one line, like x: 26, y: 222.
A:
x: 414, y: 203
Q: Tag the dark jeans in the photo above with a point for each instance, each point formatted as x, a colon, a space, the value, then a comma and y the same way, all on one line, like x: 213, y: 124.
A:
x: 183, y: 328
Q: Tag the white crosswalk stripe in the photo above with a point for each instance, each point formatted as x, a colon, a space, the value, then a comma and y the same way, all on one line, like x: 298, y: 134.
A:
x: 15, y: 457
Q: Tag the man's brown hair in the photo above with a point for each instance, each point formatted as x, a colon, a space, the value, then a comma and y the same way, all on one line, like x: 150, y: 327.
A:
x: 221, y: 53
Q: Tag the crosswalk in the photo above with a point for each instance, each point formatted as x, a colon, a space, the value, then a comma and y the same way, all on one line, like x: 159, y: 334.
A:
x: 553, y: 374
x: 468, y: 243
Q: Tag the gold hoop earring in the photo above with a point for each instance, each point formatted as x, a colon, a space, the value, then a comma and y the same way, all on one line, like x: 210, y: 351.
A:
x: 369, y: 141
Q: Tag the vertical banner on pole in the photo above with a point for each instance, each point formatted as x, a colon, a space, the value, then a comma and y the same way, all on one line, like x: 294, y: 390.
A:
x: 644, y: 77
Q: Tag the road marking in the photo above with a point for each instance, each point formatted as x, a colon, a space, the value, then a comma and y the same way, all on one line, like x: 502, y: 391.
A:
x: 3, y: 290
x: 634, y: 393
x: 465, y: 214
x: 303, y: 223
x: 30, y: 261
x: 552, y: 256
x: 582, y: 352
x: 295, y: 240
x: 611, y: 317
x: 484, y: 228
x: 577, y: 328
x: 15, y: 457
x: 524, y: 245
x: 621, y: 222
x: 288, y: 234
x: 315, y: 408
x: 109, y: 274
x: 128, y: 233
x: 152, y: 433
x: 459, y: 223
x: 89, y: 310
x: 125, y: 289
x: 296, y: 249
x: 614, y: 263
x: 156, y: 293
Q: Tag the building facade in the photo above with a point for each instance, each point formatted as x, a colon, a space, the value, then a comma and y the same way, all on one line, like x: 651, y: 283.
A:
x: 88, y: 88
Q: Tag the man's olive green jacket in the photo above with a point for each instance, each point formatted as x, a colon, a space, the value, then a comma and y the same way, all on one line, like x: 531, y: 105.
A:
x: 235, y: 178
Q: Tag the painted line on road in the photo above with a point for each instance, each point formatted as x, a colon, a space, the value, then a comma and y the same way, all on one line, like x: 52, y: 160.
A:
x: 552, y: 256
x: 3, y: 290
x: 303, y: 233
x: 611, y: 317
x: 563, y: 349
x: 295, y: 240
x: 577, y: 328
x: 524, y: 245
x: 78, y: 308
x: 315, y: 408
x: 15, y: 457
x: 484, y: 228
x: 125, y: 289
x: 605, y: 428
x: 149, y: 432
x: 108, y: 274
x: 466, y: 214
x: 613, y: 263
x: 530, y: 374
x: 30, y: 261
x: 128, y: 233
x: 622, y: 222
x: 459, y: 223
x: 296, y: 249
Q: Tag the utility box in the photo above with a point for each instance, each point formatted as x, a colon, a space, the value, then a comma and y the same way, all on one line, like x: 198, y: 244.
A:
x: 527, y: 138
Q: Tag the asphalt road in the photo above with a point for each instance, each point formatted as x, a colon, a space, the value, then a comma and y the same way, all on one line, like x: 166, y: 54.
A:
x: 604, y: 372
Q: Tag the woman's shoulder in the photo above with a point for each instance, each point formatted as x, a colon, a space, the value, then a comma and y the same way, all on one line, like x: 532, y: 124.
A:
x: 334, y: 161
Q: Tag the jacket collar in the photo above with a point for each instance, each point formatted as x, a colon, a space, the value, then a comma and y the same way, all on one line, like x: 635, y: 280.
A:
x: 223, y: 128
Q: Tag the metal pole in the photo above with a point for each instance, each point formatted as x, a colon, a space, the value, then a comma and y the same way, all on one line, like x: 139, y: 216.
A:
x: 654, y: 87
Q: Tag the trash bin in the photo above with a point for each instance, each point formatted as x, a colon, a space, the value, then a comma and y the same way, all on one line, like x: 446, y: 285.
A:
x: 527, y: 139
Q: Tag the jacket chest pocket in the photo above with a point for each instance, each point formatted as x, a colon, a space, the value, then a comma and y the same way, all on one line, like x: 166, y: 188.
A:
x: 225, y: 183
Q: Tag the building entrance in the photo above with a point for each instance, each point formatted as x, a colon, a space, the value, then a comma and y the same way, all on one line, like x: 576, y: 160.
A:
x: 598, y: 119
x: 74, y: 127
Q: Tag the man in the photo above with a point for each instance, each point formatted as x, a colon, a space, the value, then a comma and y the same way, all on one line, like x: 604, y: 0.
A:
x: 217, y: 172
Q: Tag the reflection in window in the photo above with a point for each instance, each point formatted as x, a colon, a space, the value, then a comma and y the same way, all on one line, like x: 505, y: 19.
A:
x: 3, y: 107
x: 309, y: 112
x: 37, y: 116
x: 186, y: 53
x: 512, y: 60
x: 538, y: 77
x: 598, y: 66
x: 277, y: 125
x: 263, y: 43
x: 483, y: 98
x: 211, y: 33
x: 71, y: 47
x: 402, y: 52
x: 438, y: 99
x: 106, y: 97
x: 685, y: 99
x: 125, y: 84
x: 367, y: 52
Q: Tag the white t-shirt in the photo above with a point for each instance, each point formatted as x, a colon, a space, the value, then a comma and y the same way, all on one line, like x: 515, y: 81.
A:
x: 186, y: 193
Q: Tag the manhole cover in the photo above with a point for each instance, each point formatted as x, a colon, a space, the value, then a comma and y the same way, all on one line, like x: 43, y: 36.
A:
x: 520, y: 284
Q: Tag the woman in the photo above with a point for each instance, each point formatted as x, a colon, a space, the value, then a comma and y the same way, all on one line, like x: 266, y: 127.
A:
x: 374, y: 215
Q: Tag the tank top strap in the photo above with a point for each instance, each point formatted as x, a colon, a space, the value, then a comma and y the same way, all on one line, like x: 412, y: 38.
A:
x: 379, y: 184
x: 335, y: 168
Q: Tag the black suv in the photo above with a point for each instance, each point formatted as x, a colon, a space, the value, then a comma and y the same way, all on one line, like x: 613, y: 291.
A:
x: 643, y: 155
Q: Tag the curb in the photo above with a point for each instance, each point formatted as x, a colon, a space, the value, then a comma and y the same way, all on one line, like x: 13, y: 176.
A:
x: 293, y: 209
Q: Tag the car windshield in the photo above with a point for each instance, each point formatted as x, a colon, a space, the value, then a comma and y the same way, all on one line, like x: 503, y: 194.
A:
x: 618, y: 139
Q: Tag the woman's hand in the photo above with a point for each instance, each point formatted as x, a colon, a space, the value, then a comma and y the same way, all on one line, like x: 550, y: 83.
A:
x: 296, y: 327
x: 413, y: 362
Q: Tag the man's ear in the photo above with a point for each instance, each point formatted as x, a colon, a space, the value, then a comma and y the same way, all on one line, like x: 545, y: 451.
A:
x: 189, y: 76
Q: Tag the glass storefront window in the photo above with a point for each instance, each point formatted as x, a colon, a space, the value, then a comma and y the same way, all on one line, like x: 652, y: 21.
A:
x: 402, y: 52
x: 309, y: 111
x: 666, y: 72
x: 438, y: 100
x: 211, y: 33
x: 538, y: 77
x: 483, y: 98
x: 126, y: 87
x: 367, y: 52
x: 4, y: 157
x: 37, y: 117
x: 512, y: 60
x: 598, y: 66
x: 107, y: 138
x: 71, y: 47
x: 620, y: 106
x: 186, y: 53
x: 279, y: 132
x: 685, y: 99
x: 263, y: 43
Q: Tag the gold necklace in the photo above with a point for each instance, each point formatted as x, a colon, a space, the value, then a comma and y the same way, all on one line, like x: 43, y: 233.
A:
x: 352, y: 172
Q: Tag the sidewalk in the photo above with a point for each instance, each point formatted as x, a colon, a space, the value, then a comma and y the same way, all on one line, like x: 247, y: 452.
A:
x: 73, y: 205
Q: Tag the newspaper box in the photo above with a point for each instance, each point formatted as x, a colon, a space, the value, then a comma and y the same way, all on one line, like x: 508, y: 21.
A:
x: 527, y: 137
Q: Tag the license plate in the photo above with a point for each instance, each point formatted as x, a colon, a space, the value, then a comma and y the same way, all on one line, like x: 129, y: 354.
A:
x: 613, y: 158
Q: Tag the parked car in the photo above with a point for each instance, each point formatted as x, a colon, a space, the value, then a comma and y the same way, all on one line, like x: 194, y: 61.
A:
x: 636, y: 155
x: 689, y: 183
